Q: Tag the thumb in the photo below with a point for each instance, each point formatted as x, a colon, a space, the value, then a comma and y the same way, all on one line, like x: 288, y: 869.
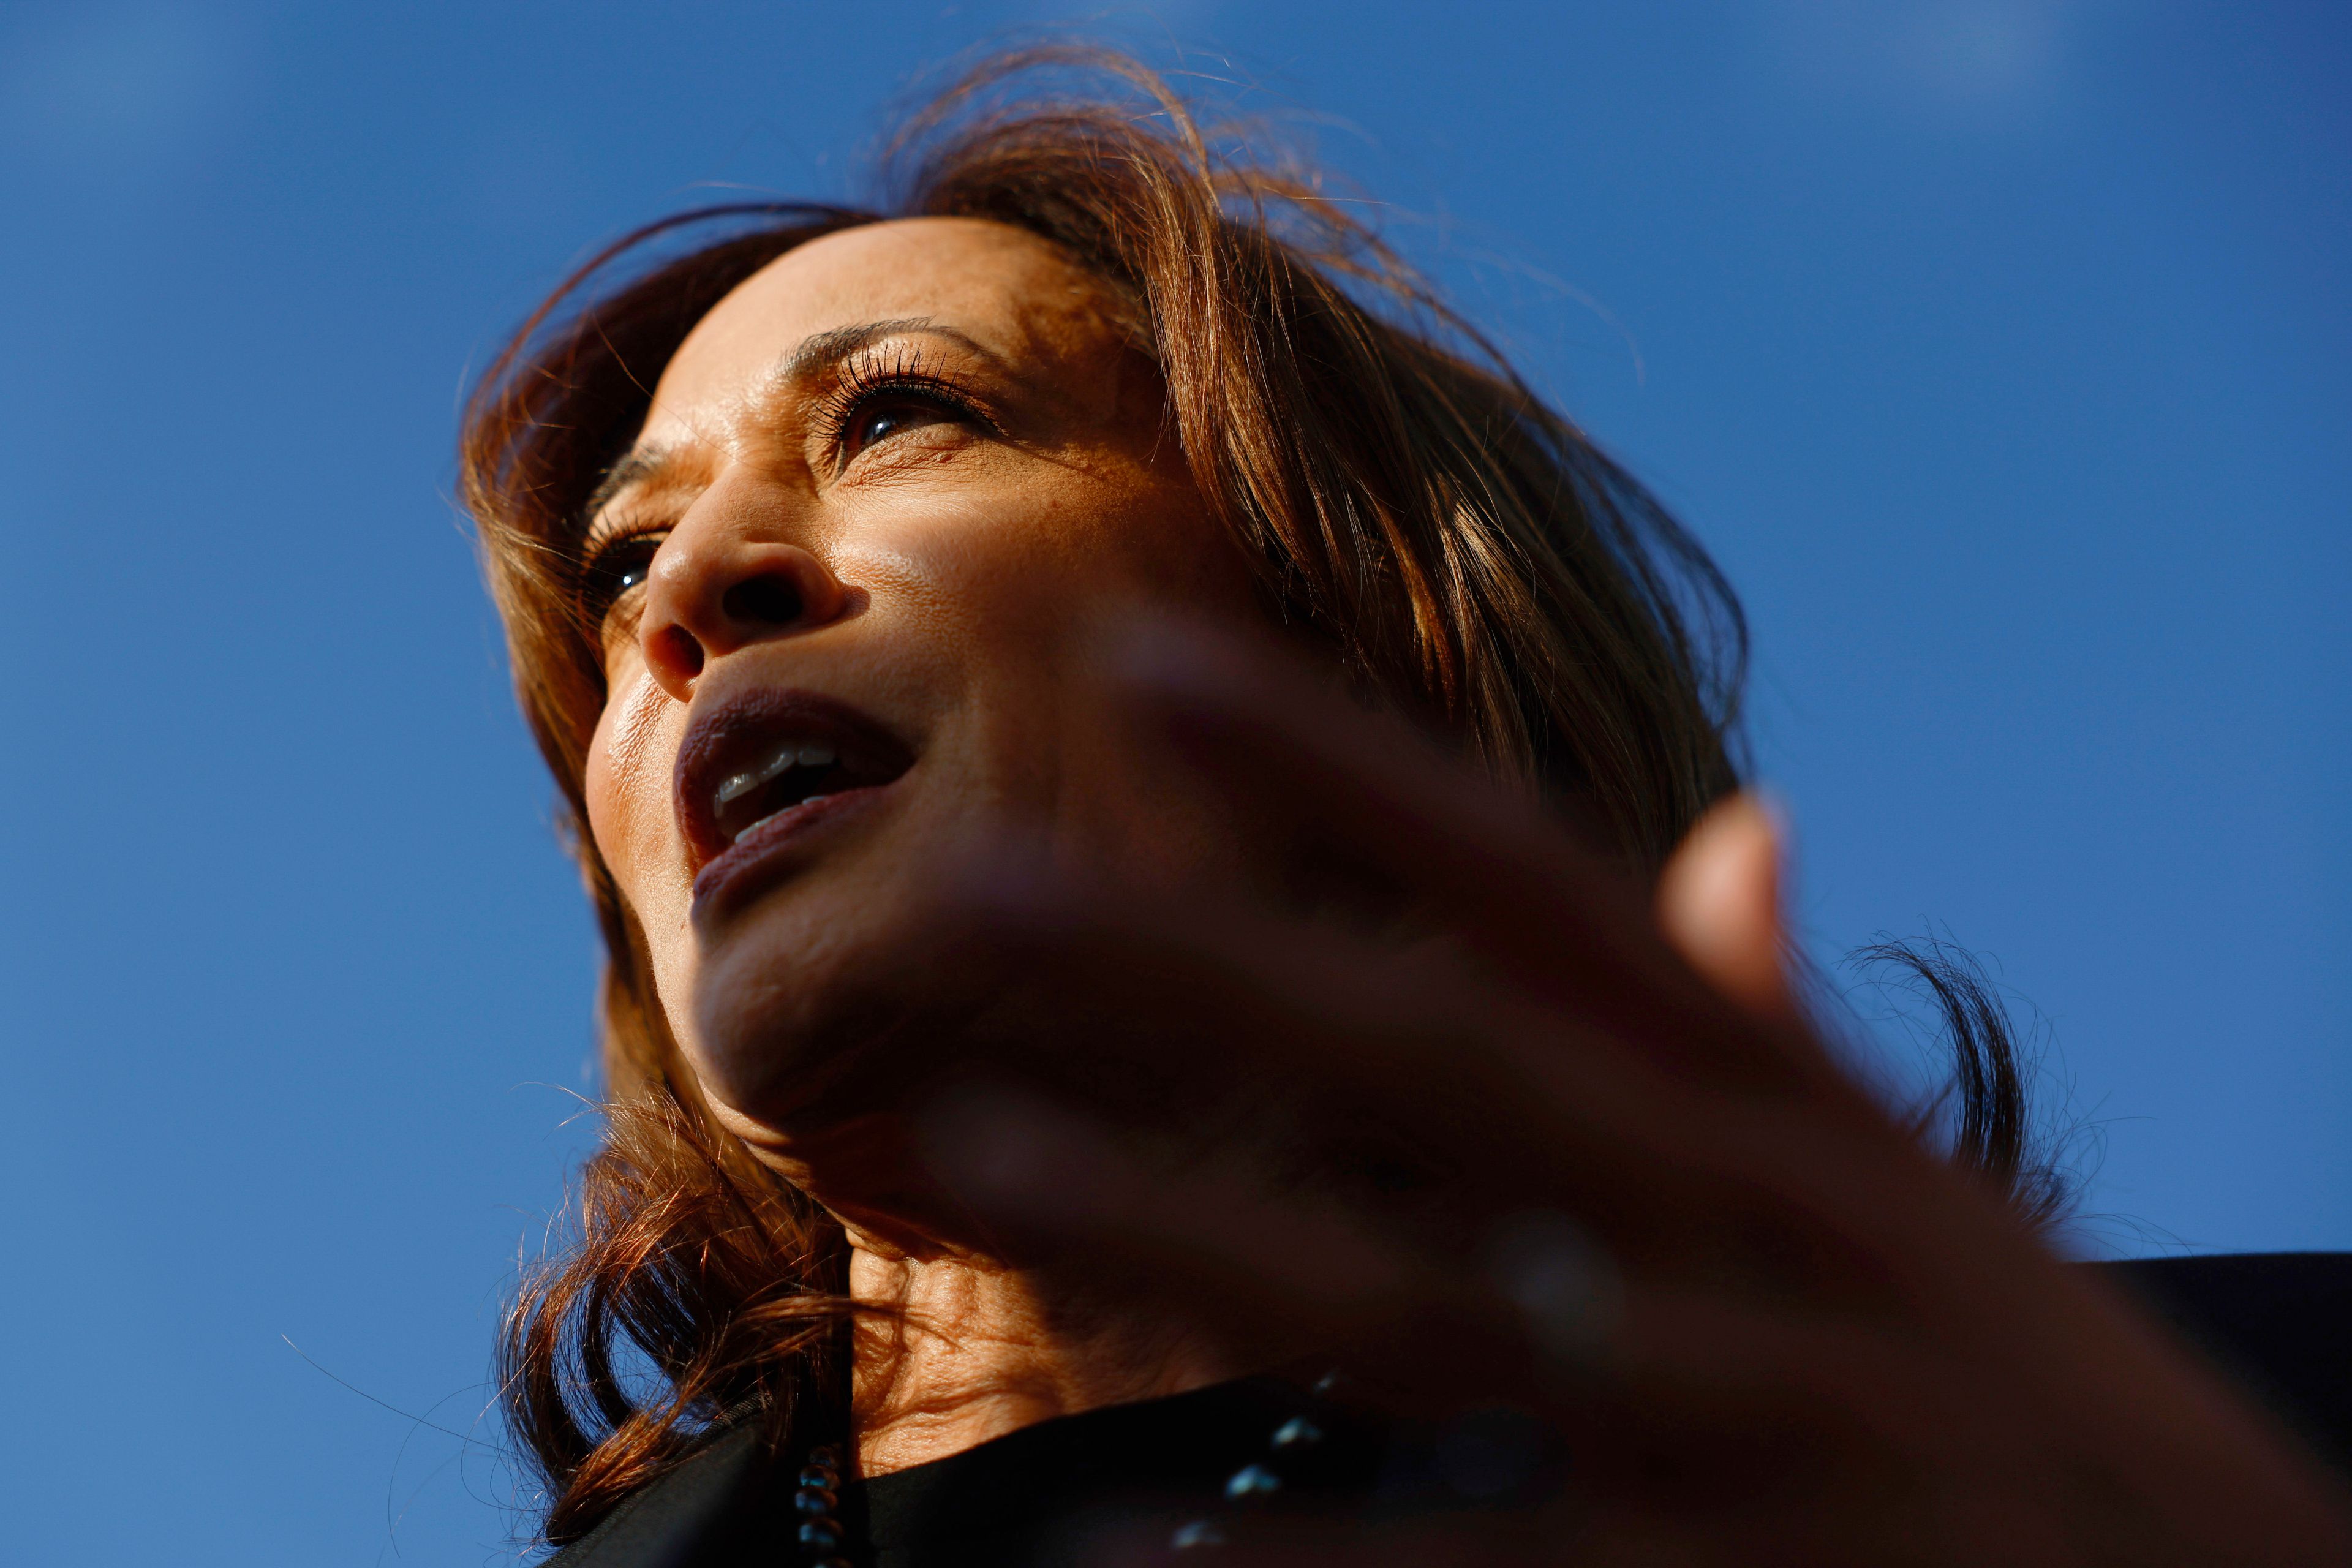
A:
x: 1719, y: 903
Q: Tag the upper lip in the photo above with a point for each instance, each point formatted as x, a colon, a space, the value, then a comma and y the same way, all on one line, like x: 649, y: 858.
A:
x: 731, y: 745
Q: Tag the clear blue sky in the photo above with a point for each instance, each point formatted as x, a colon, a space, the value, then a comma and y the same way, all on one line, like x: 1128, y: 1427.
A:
x: 2003, y: 351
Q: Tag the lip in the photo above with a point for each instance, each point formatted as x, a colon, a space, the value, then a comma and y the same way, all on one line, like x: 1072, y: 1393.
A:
x: 735, y: 734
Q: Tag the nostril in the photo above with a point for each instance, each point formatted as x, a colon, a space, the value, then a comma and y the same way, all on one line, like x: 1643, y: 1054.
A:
x: 681, y: 651
x: 769, y: 601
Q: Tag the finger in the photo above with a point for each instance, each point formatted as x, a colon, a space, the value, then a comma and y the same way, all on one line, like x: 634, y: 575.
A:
x: 1400, y: 1090
x: 1556, y: 916
x: 1242, y: 1027
x: 1766, y: 1389
x: 1397, y: 1082
x: 1719, y: 903
x: 1713, y: 1427
x: 1245, y: 1029
x: 1268, y: 1269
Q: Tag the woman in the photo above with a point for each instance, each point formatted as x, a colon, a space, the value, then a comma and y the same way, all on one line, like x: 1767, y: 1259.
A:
x: 1186, y: 967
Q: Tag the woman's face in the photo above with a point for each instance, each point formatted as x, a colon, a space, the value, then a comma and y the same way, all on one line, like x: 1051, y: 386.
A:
x: 886, y: 495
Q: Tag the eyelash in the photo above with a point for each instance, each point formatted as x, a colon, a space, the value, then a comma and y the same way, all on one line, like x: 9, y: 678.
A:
x: 862, y: 382
x: 867, y: 380
x: 603, y: 560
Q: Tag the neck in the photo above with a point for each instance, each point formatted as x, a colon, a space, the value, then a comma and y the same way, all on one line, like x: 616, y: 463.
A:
x: 967, y: 1349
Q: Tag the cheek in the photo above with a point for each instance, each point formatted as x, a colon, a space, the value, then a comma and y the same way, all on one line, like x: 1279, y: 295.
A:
x: 1010, y: 570
x: 1159, y: 545
x: 627, y: 786
x: 1010, y: 589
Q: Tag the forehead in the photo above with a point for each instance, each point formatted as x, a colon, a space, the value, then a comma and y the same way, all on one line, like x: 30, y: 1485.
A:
x: 1009, y: 289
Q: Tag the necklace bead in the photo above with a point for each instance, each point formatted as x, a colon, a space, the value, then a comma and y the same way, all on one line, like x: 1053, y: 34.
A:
x: 1197, y: 1533
x: 1251, y: 1480
x: 1297, y: 1433
x: 821, y: 1535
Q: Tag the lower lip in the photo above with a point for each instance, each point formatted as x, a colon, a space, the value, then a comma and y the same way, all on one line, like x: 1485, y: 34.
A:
x: 757, y: 858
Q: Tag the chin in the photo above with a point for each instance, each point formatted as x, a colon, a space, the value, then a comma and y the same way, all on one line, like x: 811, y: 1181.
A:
x: 805, y: 999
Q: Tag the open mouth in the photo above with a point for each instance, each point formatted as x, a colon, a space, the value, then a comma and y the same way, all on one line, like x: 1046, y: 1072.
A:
x: 756, y: 764
x: 798, y: 772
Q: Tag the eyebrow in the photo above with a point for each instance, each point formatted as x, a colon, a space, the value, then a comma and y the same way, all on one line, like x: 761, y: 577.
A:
x: 818, y: 351
x: 634, y: 470
x: 823, y: 351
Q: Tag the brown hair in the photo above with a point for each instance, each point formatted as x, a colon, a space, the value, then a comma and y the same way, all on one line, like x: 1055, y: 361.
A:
x: 1407, y: 499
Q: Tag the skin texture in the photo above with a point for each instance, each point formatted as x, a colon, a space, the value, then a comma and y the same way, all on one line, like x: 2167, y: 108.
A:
x: 1172, y: 1015
x: 944, y: 572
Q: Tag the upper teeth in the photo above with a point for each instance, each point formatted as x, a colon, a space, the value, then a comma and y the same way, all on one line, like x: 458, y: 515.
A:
x: 808, y: 756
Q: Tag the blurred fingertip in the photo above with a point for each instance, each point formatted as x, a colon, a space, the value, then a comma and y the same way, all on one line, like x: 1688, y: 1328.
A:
x: 1011, y: 1154
x: 1776, y: 817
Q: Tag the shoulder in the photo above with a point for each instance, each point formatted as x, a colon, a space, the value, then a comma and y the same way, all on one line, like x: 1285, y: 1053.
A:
x: 698, y: 1513
x: 2281, y: 1322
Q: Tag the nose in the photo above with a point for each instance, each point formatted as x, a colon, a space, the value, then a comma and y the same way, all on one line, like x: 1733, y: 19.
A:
x: 717, y: 587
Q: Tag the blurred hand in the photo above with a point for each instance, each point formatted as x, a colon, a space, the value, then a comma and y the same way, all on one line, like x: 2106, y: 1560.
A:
x: 1448, y: 1092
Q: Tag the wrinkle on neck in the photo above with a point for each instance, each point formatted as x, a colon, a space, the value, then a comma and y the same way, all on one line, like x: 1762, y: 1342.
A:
x: 970, y: 1350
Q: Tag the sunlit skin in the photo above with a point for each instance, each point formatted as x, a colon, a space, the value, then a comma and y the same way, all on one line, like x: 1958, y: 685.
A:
x: 946, y: 574
x: 920, y: 472
x: 946, y: 570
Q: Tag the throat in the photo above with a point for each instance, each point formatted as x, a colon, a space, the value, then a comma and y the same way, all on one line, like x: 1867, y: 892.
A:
x: 965, y: 1350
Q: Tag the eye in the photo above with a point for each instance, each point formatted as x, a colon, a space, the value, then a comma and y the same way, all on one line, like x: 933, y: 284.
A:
x: 614, y: 570
x: 880, y: 398
x: 892, y: 411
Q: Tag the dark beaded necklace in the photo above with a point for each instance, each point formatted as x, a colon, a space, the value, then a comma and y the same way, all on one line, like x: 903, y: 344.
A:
x: 819, y: 1495
x: 823, y: 1541
x: 1254, y: 1482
